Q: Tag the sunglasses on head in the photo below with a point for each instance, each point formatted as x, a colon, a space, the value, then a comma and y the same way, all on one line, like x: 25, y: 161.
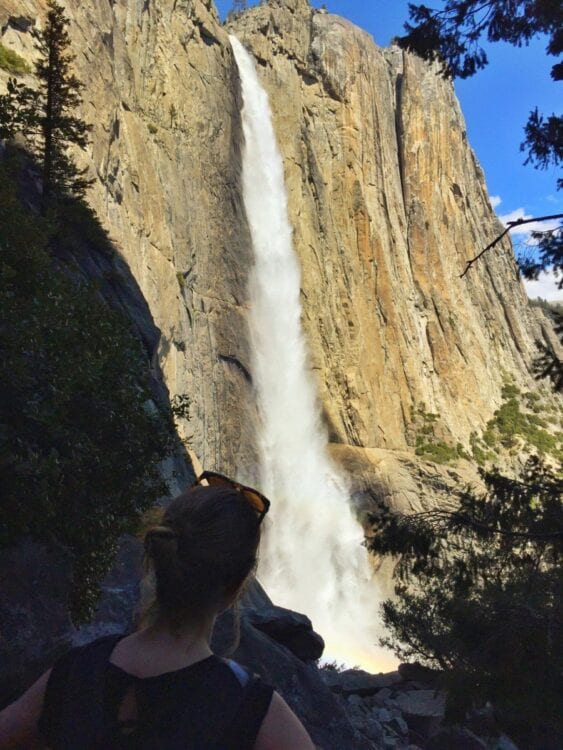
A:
x: 256, y: 499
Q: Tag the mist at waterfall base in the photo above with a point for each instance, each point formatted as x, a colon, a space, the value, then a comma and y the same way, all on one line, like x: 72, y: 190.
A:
x: 312, y: 558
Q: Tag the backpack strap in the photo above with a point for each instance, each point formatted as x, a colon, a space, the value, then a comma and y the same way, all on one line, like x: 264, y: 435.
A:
x: 242, y: 674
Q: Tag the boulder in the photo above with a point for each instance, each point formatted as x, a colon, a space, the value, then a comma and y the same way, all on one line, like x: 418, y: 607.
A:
x: 359, y: 682
x: 381, y: 697
x: 418, y: 673
x: 374, y: 731
x: 423, y: 710
x: 455, y: 738
x: 290, y: 629
x: 399, y: 725
x: 504, y: 743
x: 427, y: 703
x: 384, y: 716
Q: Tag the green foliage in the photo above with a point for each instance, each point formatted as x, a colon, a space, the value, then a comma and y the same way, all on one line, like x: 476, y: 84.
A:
x: 452, y: 33
x: 510, y: 422
x: 427, y: 445
x: 335, y: 666
x: 544, y: 139
x: 437, y: 451
x: 548, y: 364
x: 59, y: 98
x: 510, y: 390
x: 46, y: 116
x: 478, y: 596
x: 180, y: 406
x: 479, y: 449
x: 16, y: 106
x: 12, y: 62
x: 551, y: 309
x: 80, y: 437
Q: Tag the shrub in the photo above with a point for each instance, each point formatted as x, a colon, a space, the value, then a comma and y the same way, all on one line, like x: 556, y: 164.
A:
x: 478, y: 596
x: 510, y: 421
x: 12, y: 62
x: 437, y: 451
x: 80, y: 438
x: 427, y: 445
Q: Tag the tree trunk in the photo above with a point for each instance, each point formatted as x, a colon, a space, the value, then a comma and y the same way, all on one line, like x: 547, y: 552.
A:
x: 48, y: 128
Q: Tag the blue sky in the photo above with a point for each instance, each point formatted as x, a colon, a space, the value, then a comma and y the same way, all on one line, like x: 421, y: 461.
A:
x: 496, y: 103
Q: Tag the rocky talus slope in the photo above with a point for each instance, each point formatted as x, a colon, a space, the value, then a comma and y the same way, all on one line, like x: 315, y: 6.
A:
x: 350, y: 709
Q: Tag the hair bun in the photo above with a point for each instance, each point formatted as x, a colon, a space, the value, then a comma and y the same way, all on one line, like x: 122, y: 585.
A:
x: 200, y: 553
x: 162, y: 531
x: 158, y: 534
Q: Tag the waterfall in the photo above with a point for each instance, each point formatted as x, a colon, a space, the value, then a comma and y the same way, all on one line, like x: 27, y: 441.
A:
x: 312, y: 558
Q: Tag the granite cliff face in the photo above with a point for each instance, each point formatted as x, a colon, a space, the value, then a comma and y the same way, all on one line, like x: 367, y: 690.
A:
x: 386, y: 198
x: 388, y: 204
x: 161, y: 91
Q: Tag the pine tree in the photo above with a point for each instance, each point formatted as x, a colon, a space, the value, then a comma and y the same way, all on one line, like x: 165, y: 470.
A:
x: 9, y: 110
x: 46, y: 117
x: 478, y: 596
x: 60, y: 97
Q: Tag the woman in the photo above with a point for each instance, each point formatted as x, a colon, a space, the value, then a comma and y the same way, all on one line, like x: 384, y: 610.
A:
x: 162, y: 687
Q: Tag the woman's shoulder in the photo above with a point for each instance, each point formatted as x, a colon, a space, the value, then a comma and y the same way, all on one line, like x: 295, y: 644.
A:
x: 272, y: 723
x: 99, y: 645
x: 281, y: 729
x: 86, y: 655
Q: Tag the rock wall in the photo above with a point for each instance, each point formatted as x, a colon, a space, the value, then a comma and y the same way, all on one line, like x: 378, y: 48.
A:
x: 386, y: 197
x: 388, y: 204
x: 161, y: 92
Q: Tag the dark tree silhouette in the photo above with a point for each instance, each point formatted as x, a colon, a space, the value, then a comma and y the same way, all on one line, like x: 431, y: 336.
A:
x: 478, y: 586
x: 478, y: 596
x: 47, y: 116
x: 59, y: 99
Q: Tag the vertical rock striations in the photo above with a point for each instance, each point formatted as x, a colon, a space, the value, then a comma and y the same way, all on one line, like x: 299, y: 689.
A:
x: 386, y: 198
x: 388, y: 204
x: 162, y: 93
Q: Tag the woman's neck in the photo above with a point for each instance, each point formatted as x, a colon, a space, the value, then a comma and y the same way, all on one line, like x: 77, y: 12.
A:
x: 159, y: 648
x: 188, y: 639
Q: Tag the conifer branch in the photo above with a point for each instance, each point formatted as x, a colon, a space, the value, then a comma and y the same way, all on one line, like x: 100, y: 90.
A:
x: 466, y: 520
x: 510, y: 225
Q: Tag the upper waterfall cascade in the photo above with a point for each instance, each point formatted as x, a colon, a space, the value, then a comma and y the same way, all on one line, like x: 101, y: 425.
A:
x: 312, y: 559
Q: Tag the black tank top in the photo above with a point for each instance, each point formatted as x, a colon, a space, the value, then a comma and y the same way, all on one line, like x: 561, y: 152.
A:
x: 210, y: 705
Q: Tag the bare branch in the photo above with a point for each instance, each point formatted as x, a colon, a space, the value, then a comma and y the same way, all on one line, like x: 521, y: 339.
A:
x: 466, y: 520
x: 509, y: 226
